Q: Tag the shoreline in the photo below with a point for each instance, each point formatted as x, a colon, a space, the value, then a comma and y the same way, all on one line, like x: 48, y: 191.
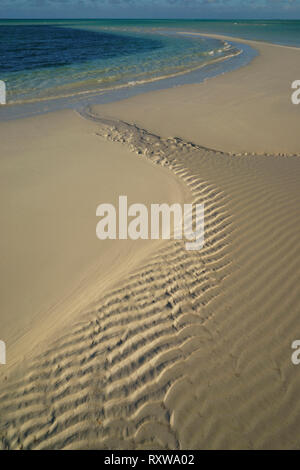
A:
x: 197, y: 74
x: 100, y: 91
x: 44, y: 105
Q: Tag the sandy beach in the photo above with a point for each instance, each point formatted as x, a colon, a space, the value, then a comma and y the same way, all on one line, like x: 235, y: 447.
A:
x: 142, y: 344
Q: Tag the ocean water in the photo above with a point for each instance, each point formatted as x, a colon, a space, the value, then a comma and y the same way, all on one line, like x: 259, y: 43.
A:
x: 39, y: 61
x: 74, y: 59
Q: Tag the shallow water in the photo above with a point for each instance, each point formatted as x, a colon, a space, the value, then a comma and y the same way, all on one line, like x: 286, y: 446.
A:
x: 41, y: 61
x: 61, y: 63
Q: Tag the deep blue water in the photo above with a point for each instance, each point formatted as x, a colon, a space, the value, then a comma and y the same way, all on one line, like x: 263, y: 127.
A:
x: 29, y: 47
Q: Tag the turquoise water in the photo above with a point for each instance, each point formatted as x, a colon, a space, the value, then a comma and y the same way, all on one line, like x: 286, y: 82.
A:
x: 43, y: 60
x: 286, y: 32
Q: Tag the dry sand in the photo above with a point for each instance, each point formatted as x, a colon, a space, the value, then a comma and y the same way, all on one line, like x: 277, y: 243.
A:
x: 193, y: 349
x: 248, y: 110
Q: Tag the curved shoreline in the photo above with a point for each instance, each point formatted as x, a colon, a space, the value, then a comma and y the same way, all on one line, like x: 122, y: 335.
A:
x: 145, y: 82
x: 93, y: 94
x: 196, y: 75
